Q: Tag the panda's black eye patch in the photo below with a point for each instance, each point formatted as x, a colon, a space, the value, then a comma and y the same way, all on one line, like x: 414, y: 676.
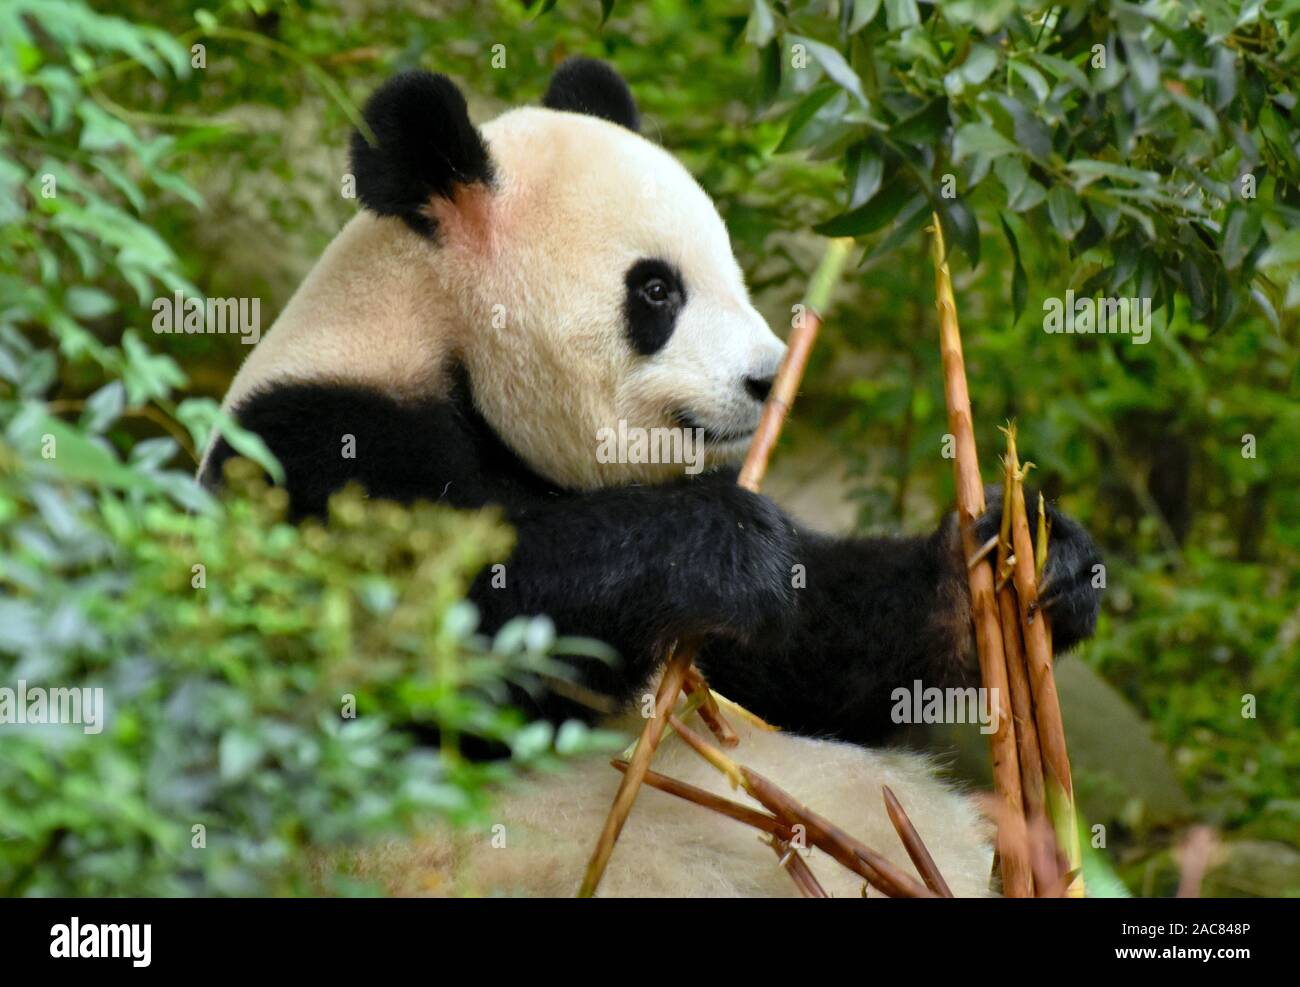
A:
x: 654, y: 297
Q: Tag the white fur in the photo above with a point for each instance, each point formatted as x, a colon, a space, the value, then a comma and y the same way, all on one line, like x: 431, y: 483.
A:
x: 670, y: 848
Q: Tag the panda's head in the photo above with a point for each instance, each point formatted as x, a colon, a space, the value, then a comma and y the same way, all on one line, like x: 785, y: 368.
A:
x: 592, y: 284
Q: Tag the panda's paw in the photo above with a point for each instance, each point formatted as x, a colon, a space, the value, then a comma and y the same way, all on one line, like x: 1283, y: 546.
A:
x: 1067, y: 591
x: 758, y: 555
x: 731, y: 553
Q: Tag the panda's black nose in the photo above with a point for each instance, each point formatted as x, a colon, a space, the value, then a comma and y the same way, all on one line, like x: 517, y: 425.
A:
x: 759, y: 387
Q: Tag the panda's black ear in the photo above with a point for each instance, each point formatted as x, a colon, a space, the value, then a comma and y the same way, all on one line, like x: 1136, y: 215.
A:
x: 425, y: 147
x: 584, y: 85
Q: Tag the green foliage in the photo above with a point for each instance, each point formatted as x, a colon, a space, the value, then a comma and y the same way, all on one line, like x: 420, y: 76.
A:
x: 252, y: 669
x: 1154, y: 141
x: 257, y: 677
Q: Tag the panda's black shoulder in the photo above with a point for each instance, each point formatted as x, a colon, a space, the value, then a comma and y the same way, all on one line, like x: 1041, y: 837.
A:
x: 326, y: 435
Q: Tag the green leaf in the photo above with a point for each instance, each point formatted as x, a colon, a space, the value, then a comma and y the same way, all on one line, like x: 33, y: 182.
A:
x: 104, y: 407
x: 1241, y: 232
x: 912, y: 217
x: 239, y: 753
x: 101, y: 131
x: 1066, y: 211
x: 1019, y: 280
x: 870, y: 216
x: 120, y: 180
x: 1141, y: 63
x: 1031, y: 133
x: 1198, y: 293
x: 926, y: 126
x: 1023, y: 192
x: 1090, y: 171
x: 980, y: 138
x: 960, y: 227
x: 807, y: 126
x: 864, y: 12
x: 76, y: 456
x: 1032, y: 77
x: 531, y: 741
x: 834, y: 65
x: 84, y: 302
x: 179, y: 186
x: 980, y: 62
x: 761, y: 27
x: 148, y: 375
x: 901, y: 13
x: 865, y: 170
x: 201, y: 416
x: 1283, y: 251
x: 1062, y: 69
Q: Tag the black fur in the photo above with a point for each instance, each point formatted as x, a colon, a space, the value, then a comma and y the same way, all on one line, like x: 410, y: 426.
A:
x: 880, y: 613
x: 650, y: 320
x: 641, y: 566
x: 585, y: 85
x: 425, y: 146
x: 435, y: 450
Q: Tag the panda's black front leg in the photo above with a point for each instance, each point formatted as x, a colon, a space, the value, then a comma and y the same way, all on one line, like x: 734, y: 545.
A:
x: 640, y: 567
x: 877, y: 614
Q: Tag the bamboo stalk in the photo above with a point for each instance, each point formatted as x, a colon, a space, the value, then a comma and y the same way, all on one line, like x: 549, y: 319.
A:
x: 798, y: 869
x: 1022, y: 701
x: 1038, y: 656
x: 740, y: 712
x: 897, y: 883
x: 1050, y: 867
x: 734, y: 810
x: 708, y: 710
x: 780, y: 833
x: 1016, y: 874
x: 915, y: 846
x: 775, y: 410
x: 669, y: 686
x: 786, y: 385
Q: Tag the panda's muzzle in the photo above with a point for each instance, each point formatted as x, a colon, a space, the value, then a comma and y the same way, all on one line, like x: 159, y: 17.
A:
x: 713, y: 435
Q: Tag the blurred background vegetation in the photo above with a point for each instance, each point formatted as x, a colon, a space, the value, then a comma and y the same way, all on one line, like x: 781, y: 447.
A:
x: 149, y: 147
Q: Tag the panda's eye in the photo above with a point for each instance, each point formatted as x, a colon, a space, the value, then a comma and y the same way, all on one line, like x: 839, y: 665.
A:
x: 656, y: 291
x: 654, y: 297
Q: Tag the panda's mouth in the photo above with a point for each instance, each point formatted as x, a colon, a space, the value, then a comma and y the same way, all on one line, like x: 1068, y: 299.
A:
x: 713, y: 436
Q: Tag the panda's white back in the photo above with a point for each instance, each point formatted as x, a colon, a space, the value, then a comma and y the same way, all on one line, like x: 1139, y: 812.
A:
x: 670, y: 848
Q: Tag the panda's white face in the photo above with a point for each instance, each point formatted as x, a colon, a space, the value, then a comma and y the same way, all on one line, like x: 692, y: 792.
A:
x: 598, y: 295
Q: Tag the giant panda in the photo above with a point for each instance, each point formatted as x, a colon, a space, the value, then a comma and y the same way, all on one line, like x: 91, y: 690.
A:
x: 507, y: 293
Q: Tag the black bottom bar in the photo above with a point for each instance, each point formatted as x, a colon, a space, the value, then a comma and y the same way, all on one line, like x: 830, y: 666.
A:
x: 340, y: 937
